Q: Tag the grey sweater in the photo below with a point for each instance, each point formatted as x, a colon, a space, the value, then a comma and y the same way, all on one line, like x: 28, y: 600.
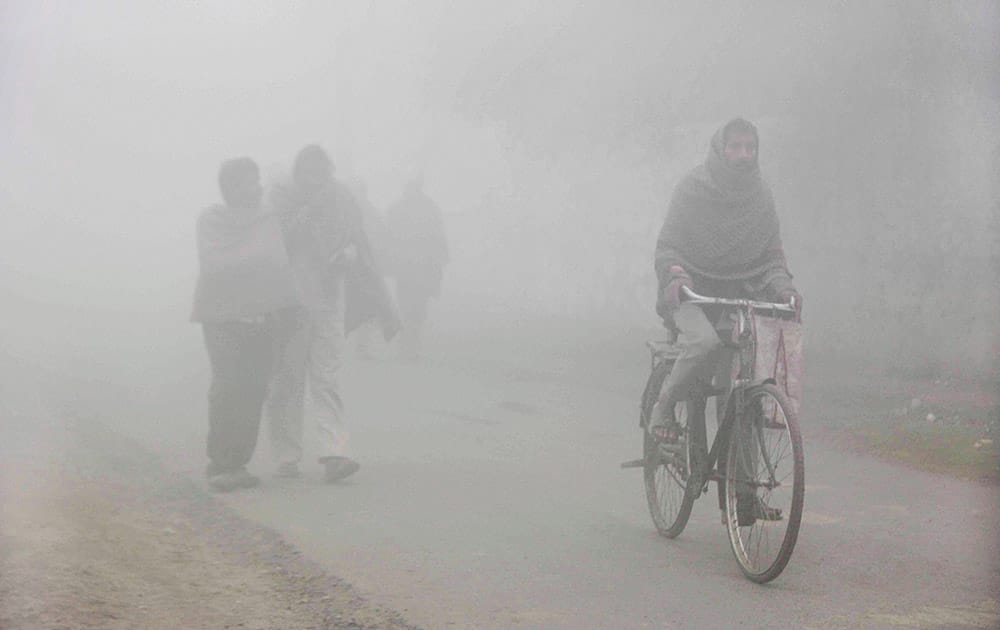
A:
x: 243, y: 268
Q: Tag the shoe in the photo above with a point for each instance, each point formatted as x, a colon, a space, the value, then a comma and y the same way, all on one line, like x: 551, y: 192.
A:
x: 750, y: 508
x: 224, y: 482
x: 245, y: 479
x: 768, y: 420
x: 338, y: 468
x: 666, y: 433
x: 666, y: 429
x: 288, y: 470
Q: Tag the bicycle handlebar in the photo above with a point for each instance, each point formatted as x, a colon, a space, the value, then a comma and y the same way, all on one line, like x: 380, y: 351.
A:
x: 694, y: 298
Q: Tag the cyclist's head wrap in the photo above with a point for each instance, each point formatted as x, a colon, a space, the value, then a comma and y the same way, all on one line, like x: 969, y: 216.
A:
x: 721, y: 219
x: 734, y: 180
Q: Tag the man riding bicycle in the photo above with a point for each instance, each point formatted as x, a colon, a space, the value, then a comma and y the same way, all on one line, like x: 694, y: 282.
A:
x: 720, y: 238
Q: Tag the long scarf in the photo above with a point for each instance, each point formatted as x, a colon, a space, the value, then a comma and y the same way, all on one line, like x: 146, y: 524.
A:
x: 721, y: 219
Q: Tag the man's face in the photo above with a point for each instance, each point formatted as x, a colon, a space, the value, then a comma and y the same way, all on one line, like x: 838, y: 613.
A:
x: 312, y: 176
x: 741, y: 150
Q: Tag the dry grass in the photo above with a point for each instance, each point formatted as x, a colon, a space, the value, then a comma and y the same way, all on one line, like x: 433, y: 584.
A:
x: 961, y: 449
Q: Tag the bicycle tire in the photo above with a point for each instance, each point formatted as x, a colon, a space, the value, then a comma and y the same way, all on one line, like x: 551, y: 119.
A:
x: 766, y: 431
x: 665, y: 478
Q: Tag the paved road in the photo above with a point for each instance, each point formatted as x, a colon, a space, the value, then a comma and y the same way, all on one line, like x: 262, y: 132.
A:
x: 490, y: 496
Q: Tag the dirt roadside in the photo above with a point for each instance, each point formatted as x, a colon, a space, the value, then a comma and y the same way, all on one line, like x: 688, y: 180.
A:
x: 943, y: 425
x: 94, y: 534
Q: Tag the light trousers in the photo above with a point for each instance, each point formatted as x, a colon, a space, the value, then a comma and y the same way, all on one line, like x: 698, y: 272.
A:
x: 702, y: 356
x: 306, y: 384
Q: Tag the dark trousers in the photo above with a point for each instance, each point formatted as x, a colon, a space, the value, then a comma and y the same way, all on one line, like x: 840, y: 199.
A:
x: 242, y: 358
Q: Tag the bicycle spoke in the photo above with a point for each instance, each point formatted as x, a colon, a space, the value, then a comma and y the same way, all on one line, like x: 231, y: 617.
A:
x: 763, y: 474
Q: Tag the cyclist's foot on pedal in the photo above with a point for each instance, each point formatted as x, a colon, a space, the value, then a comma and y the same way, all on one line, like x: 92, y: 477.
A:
x: 666, y: 429
x: 750, y: 508
x: 770, y: 420
x: 666, y: 433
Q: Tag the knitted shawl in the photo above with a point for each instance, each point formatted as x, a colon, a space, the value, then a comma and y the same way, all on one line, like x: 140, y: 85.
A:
x: 721, y: 223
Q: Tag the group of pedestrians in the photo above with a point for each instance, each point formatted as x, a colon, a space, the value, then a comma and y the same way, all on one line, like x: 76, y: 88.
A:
x: 280, y: 287
x: 281, y: 283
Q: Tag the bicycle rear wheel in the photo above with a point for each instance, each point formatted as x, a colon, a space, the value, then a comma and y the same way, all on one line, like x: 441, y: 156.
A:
x: 667, y: 467
x: 765, y: 483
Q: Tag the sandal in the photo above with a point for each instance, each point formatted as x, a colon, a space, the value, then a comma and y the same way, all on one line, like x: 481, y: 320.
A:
x: 668, y: 431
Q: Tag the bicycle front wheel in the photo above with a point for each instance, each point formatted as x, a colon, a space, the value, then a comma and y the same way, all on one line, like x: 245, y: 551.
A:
x: 765, y: 483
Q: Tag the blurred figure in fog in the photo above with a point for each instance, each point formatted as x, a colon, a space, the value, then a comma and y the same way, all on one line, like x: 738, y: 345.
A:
x: 419, y: 255
x: 244, y: 298
x: 339, y: 288
x: 378, y: 237
x: 720, y: 238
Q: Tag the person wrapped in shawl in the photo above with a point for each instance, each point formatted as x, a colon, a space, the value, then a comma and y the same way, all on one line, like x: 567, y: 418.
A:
x: 721, y: 238
x: 419, y: 254
x: 341, y: 288
x: 244, y: 297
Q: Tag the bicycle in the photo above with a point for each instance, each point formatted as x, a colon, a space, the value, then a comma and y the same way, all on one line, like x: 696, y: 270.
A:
x: 756, y: 455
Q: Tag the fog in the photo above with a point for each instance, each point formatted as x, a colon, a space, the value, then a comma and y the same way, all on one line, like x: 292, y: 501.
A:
x: 551, y: 134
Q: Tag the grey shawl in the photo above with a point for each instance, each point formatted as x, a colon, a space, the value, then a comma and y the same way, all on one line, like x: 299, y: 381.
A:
x: 721, y: 227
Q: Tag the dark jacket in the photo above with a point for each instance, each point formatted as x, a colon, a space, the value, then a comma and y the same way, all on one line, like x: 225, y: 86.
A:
x: 316, y: 231
x: 419, y: 246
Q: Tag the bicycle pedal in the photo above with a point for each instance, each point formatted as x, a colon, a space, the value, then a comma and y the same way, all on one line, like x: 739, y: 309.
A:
x: 673, y: 448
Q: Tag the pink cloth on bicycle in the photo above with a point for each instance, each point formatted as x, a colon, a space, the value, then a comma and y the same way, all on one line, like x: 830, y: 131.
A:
x: 778, y: 355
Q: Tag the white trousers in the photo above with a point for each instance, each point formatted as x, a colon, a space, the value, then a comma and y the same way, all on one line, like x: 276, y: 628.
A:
x: 306, y: 384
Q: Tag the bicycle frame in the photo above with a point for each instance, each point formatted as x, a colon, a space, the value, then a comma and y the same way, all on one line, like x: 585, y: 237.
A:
x: 756, y: 455
x: 708, y: 470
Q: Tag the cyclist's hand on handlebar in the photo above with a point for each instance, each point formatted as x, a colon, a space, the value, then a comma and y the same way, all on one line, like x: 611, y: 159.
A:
x: 673, y: 293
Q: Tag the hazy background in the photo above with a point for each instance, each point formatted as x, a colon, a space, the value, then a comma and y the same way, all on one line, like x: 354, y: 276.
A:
x: 550, y: 133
